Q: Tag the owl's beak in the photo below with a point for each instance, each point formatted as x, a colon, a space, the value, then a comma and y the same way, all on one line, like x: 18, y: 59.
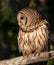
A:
x: 20, y: 24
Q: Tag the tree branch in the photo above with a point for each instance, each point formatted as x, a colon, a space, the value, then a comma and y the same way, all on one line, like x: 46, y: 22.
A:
x: 44, y: 56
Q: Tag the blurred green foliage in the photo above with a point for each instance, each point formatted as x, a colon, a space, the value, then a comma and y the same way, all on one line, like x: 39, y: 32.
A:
x: 9, y: 26
x: 50, y: 62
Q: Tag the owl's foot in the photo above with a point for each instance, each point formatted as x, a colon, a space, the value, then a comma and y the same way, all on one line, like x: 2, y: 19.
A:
x: 25, y: 55
x: 37, y: 53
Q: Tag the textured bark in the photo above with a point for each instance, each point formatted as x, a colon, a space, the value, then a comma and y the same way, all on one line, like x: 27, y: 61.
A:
x: 44, y: 56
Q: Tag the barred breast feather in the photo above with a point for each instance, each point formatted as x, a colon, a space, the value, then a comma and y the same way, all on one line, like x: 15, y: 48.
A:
x: 37, y: 39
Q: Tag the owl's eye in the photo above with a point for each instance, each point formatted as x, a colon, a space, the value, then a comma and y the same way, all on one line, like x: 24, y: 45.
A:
x: 21, y: 18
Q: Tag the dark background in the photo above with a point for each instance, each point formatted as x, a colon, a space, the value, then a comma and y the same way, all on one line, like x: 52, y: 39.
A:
x: 9, y: 27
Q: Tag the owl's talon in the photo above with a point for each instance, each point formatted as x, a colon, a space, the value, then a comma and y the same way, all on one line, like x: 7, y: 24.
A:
x: 25, y: 56
x: 37, y: 53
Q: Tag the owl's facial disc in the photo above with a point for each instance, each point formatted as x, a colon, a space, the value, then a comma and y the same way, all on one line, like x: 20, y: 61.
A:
x: 22, y: 20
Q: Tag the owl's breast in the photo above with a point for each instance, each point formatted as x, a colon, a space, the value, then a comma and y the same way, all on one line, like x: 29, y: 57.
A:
x: 31, y: 41
x: 26, y: 40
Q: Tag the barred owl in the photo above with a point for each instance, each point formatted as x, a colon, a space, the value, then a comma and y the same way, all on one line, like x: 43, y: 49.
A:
x: 33, y: 32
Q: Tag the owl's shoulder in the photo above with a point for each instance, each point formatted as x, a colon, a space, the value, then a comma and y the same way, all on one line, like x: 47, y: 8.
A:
x: 45, y: 22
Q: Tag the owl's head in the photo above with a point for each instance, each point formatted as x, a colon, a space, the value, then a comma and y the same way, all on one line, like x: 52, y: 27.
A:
x: 28, y: 19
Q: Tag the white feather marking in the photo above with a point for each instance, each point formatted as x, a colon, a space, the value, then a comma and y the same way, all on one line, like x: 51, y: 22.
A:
x: 26, y: 37
x: 21, y: 46
x: 41, y: 41
x: 34, y: 33
x: 31, y: 36
x: 42, y: 35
